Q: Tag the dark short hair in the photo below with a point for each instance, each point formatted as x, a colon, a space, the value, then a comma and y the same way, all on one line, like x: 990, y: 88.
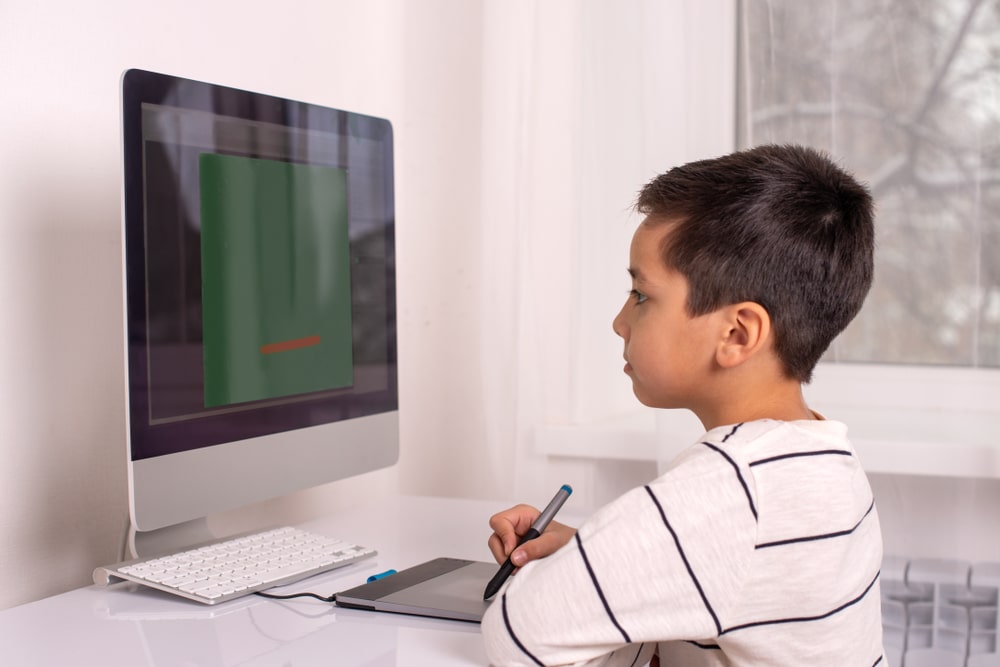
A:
x: 782, y: 226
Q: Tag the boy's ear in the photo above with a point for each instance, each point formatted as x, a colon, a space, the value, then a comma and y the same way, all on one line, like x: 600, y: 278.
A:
x: 747, y: 332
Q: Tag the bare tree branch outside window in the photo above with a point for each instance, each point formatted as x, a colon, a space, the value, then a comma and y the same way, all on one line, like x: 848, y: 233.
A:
x: 906, y: 94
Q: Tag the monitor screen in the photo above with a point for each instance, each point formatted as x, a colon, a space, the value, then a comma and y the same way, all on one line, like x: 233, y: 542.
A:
x: 259, y: 296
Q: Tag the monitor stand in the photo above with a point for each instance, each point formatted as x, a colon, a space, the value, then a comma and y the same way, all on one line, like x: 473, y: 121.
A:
x: 169, y: 539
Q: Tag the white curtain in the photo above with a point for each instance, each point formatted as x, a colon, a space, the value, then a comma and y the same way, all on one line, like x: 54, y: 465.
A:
x: 583, y: 103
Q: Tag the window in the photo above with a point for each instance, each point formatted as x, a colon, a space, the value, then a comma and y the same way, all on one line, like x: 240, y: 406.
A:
x: 907, y: 95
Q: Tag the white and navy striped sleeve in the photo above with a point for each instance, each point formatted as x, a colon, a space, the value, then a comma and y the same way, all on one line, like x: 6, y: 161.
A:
x: 656, y: 564
x: 756, y: 547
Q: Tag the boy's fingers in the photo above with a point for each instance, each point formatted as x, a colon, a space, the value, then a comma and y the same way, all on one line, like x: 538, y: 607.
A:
x: 521, y: 557
x: 509, y: 525
x: 544, y: 545
x: 501, y: 548
x: 496, y: 547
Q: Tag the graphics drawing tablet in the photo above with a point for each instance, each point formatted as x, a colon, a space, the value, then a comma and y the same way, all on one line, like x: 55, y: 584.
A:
x: 449, y: 588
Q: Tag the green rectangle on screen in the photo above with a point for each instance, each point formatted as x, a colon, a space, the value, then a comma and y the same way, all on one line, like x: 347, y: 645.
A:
x: 276, y: 292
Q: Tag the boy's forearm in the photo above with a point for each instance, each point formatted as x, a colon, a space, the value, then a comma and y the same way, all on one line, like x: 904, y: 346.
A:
x: 504, y: 651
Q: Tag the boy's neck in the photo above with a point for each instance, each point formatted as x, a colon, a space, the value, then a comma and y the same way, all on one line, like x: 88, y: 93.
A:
x: 779, y: 399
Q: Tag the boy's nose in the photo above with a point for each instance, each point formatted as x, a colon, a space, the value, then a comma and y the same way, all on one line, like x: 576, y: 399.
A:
x: 618, y: 324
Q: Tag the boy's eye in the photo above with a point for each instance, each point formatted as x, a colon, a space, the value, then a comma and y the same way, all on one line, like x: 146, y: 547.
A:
x: 637, y: 295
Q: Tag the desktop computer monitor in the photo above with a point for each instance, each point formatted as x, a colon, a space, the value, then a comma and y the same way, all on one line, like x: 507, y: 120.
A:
x: 260, y: 314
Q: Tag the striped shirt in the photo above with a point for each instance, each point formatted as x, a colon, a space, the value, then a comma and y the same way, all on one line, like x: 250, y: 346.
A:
x: 759, y: 546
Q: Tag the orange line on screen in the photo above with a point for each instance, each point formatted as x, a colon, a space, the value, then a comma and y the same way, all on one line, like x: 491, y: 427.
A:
x: 286, y: 345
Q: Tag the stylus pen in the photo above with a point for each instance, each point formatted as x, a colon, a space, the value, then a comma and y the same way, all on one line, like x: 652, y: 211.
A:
x: 537, y: 528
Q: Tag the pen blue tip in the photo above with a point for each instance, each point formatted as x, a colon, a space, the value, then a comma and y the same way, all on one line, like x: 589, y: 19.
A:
x: 567, y: 488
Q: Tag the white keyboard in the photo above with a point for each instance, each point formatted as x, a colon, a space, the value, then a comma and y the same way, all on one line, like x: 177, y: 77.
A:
x: 238, y: 566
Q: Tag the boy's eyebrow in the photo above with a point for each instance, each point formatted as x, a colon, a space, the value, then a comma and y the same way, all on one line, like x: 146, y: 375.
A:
x: 635, y: 273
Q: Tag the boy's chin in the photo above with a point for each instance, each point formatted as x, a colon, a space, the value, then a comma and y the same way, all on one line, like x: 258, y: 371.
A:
x: 658, y: 402
x: 650, y: 401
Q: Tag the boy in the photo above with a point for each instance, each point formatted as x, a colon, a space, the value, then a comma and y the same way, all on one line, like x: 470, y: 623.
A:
x: 761, y: 544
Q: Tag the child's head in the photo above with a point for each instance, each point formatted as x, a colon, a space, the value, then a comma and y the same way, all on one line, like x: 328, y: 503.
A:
x: 780, y: 226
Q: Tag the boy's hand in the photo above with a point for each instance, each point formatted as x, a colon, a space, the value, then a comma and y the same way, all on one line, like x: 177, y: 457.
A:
x: 508, y: 527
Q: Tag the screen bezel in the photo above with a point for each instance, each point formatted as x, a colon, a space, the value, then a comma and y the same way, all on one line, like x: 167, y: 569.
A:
x: 174, y: 464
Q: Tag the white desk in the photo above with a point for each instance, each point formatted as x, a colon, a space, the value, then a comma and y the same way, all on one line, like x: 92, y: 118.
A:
x: 130, y: 625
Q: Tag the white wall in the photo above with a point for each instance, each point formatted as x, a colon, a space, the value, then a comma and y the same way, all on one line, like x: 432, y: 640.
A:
x: 493, y: 105
x: 467, y: 108
x: 63, y: 508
